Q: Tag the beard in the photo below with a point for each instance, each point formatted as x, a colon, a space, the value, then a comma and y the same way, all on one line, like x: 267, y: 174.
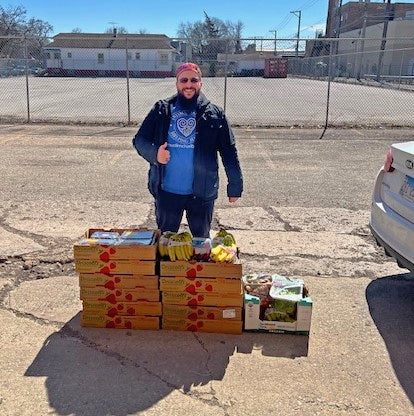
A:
x: 185, y: 103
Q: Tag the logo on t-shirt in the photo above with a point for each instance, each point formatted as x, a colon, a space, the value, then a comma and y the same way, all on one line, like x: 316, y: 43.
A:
x: 182, y: 129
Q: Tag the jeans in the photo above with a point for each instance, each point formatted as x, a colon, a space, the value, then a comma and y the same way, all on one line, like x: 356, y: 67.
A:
x: 169, y: 209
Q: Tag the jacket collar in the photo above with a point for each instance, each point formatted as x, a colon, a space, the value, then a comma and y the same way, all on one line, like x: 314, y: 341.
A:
x: 202, y: 103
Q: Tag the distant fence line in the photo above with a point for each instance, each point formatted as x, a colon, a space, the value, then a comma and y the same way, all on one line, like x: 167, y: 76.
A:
x: 260, y: 82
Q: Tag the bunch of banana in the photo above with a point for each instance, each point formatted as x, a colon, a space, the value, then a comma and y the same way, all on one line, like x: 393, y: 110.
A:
x: 225, y: 238
x: 179, y: 246
x: 223, y: 254
x: 163, y: 243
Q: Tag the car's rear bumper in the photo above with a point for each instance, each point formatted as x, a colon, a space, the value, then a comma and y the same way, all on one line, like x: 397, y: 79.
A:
x: 394, y: 233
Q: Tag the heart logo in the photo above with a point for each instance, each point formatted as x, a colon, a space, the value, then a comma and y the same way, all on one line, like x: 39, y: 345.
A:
x: 191, y: 289
x: 110, y: 324
x: 110, y: 285
x: 111, y: 299
x: 112, y: 251
x: 112, y: 266
x: 192, y: 328
x: 104, y: 257
x: 200, y: 298
x: 118, y: 293
x: 199, y: 267
x: 198, y: 283
x: 209, y: 288
x: 128, y: 324
x: 120, y: 306
x: 117, y: 279
x: 118, y: 320
x: 191, y: 273
x: 186, y: 126
x: 210, y: 315
x: 105, y: 270
x: 200, y: 312
x: 192, y: 302
x: 131, y: 311
x: 128, y: 297
x: 200, y: 324
x: 192, y: 317
x: 112, y: 312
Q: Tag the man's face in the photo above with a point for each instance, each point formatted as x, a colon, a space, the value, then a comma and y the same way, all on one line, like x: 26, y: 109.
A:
x: 188, y: 84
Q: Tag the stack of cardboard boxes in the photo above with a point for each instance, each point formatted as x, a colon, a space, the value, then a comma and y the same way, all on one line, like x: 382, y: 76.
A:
x: 202, y: 297
x: 119, y: 287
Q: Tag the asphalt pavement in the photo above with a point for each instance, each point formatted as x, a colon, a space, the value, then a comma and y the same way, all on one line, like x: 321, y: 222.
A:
x: 304, y: 213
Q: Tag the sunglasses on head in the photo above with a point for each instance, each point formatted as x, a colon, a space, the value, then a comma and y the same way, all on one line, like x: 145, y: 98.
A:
x: 192, y: 80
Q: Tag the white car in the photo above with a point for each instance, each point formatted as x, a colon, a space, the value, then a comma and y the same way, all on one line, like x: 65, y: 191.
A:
x: 392, y: 210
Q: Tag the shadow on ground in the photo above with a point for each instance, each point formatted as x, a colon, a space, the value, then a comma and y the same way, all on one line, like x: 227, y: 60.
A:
x: 391, y: 304
x: 118, y: 372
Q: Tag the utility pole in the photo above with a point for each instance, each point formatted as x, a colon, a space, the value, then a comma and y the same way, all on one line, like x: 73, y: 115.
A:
x: 384, y: 39
x: 298, y: 14
x: 361, y: 49
x: 275, y: 33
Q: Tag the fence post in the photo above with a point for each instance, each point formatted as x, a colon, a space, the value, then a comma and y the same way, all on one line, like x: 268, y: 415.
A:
x: 127, y: 78
x: 329, y: 90
x: 225, y: 76
x: 27, y: 78
x: 401, y: 68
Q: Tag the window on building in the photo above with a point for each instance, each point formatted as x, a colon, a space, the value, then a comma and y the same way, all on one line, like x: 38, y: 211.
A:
x: 56, y: 55
x: 100, y: 58
x: 69, y: 54
x: 47, y: 55
x: 129, y: 55
x: 137, y: 55
x: 163, y: 58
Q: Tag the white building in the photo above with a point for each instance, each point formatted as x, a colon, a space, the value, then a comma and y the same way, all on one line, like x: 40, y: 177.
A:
x: 103, y: 54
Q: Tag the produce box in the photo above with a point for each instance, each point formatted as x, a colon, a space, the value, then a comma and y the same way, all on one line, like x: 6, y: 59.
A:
x: 252, y: 321
x: 203, y: 299
x: 117, y: 244
x: 220, y: 326
x: 121, y: 322
x: 200, y: 285
x: 119, y: 295
x: 200, y: 269
x: 121, y: 281
x: 97, y: 307
x: 194, y: 313
x: 115, y: 267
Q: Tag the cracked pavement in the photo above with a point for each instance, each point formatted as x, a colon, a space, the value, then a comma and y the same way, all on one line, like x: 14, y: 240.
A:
x: 305, y: 213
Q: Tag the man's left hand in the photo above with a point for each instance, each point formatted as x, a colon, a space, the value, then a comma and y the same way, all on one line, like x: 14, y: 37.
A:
x: 233, y: 198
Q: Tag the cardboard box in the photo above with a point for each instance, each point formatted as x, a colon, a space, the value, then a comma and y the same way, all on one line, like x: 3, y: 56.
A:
x: 97, y: 307
x: 194, y: 313
x: 115, y: 267
x: 252, y: 321
x: 116, y: 249
x: 222, y: 327
x: 200, y: 285
x: 121, y: 281
x: 121, y: 322
x: 119, y: 295
x: 203, y: 299
x: 200, y: 269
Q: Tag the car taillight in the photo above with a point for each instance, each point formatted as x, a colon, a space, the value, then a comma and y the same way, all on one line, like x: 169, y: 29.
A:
x: 388, y: 161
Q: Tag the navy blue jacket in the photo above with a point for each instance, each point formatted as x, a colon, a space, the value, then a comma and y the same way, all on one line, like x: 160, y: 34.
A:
x: 213, y: 136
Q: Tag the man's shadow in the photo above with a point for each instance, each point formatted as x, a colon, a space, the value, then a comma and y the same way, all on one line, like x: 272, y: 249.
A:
x: 97, y: 371
x: 391, y: 304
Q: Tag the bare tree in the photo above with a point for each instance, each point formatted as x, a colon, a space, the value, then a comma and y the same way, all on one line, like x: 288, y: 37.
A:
x: 13, y: 21
x: 77, y: 30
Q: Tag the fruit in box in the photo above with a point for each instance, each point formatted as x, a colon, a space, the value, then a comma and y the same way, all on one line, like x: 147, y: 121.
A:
x: 163, y: 243
x: 179, y: 246
x: 201, y: 248
x: 224, y: 247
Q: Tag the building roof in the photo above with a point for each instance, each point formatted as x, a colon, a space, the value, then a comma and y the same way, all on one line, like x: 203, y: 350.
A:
x: 108, y: 40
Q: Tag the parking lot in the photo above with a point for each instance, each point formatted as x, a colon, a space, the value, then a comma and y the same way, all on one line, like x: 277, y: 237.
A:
x: 304, y: 213
x: 249, y: 101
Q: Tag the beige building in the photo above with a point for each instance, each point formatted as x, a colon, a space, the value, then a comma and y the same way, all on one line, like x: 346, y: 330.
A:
x: 361, y: 55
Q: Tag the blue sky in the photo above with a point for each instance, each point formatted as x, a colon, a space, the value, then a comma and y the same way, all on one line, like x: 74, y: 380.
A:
x: 164, y: 16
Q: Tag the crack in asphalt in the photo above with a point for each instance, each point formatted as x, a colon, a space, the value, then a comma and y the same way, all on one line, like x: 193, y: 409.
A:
x: 276, y: 215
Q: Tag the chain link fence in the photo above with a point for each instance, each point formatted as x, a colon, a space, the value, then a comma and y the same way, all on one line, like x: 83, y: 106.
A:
x: 90, y: 78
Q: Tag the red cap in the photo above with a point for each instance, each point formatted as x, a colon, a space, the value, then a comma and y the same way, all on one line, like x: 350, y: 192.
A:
x: 188, y: 66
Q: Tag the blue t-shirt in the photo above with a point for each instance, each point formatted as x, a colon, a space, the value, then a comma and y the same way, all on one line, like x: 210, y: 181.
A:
x: 179, y: 171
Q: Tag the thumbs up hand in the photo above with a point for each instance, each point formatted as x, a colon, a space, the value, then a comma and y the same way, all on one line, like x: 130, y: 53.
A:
x: 163, y: 155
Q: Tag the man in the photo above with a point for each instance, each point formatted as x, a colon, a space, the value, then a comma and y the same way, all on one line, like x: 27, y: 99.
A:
x: 180, y: 138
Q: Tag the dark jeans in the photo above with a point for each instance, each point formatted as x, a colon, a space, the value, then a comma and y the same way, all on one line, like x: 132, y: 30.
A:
x: 169, y: 209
